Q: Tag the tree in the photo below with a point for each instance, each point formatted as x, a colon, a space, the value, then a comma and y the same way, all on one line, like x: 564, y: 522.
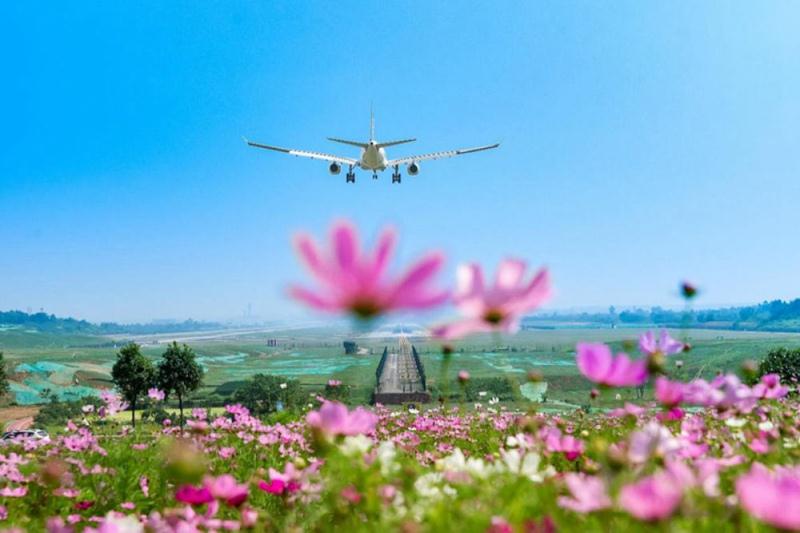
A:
x: 133, y: 374
x: 784, y: 362
x: 179, y: 372
x: 4, y: 386
x: 262, y: 393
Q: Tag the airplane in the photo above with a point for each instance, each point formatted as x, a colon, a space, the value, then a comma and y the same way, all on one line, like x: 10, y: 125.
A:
x: 373, y: 156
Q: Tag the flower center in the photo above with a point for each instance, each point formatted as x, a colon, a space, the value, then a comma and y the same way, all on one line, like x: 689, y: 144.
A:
x: 493, y: 316
x: 365, y: 309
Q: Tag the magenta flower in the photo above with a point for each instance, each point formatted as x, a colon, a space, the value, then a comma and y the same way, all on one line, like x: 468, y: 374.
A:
x: 334, y: 419
x: 499, y: 307
x: 665, y: 344
x: 193, y: 495
x: 652, y: 498
x: 596, y: 362
x: 772, y: 497
x: 357, y: 283
x: 668, y: 393
x: 588, y: 494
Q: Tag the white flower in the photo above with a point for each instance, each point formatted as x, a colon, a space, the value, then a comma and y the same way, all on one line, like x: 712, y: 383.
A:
x: 482, y: 393
x: 386, y: 454
x: 456, y: 462
x: 120, y: 523
x: 525, y: 465
x: 494, y: 400
x: 282, y: 385
x: 355, y: 445
x: 653, y: 439
x: 766, y: 426
x: 735, y: 422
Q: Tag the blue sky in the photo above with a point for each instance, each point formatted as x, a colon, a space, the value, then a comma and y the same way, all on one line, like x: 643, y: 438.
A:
x: 643, y: 143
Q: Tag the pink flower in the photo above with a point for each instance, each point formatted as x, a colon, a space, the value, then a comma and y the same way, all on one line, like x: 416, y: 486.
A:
x: 498, y: 524
x: 351, y: 494
x: 194, y: 495
x: 274, y: 486
x: 770, y: 387
x: 334, y: 419
x: 334, y: 383
x: 356, y: 282
x: 652, y: 498
x: 588, y: 494
x: 571, y: 447
x: 463, y: 376
x: 596, y: 362
x: 156, y: 394
x: 144, y: 485
x: 668, y: 393
x: 772, y: 497
x: 665, y: 345
x: 227, y: 489
x: 496, y: 308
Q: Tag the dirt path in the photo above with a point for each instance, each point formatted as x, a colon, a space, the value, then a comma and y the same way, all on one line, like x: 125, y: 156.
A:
x: 18, y: 417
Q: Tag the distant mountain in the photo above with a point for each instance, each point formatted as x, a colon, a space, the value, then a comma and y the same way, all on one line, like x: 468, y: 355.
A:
x: 775, y: 315
x: 52, y: 324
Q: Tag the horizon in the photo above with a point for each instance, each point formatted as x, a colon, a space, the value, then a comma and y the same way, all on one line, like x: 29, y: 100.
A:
x: 641, y: 145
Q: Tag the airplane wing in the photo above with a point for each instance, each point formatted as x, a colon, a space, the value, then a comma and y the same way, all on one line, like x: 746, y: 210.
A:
x: 305, y: 153
x: 439, y: 155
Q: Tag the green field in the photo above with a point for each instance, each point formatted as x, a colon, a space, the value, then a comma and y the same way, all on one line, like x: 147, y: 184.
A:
x: 74, y: 365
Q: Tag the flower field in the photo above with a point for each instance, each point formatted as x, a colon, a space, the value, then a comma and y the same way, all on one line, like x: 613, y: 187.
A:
x: 711, y: 455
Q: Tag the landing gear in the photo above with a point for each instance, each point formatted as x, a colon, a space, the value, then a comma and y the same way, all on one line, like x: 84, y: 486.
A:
x: 374, y: 175
x: 396, y: 178
x: 351, y: 176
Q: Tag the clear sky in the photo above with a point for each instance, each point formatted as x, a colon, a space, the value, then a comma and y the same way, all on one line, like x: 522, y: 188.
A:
x: 643, y: 143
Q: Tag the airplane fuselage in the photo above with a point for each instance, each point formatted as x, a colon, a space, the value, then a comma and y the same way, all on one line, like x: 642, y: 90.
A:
x: 373, y: 157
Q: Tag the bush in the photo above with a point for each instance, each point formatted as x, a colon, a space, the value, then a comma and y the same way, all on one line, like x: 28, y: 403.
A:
x: 784, y: 362
x: 263, y: 394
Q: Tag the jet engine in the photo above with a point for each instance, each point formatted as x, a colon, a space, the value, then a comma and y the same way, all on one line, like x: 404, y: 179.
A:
x: 413, y: 169
x: 335, y: 168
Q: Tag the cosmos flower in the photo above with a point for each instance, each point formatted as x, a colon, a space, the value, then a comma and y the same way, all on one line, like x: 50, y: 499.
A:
x: 668, y: 393
x: 587, y: 494
x: 193, y: 495
x: 596, y: 362
x: 772, y: 497
x: 156, y: 394
x: 227, y: 489
x: 333, y: 419
x: 665, y: 345
x: 356, y: 282
x: 652, y: 498
x: 499, y: 307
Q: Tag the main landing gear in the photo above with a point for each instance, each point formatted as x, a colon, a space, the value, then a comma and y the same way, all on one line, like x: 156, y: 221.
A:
x: 396, y: 178
x: 351, y: 176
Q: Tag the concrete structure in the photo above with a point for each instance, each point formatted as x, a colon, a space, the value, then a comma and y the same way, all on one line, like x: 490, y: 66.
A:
x: 401, y: 376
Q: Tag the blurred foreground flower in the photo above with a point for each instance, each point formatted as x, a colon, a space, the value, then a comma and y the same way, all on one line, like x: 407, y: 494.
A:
x: 355, y: 282
x: 773, y: 497
x: 596, y: 362
x: 499, y: 307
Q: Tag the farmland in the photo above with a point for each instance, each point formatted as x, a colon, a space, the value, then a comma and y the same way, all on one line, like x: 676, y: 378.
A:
x: 71, y: 366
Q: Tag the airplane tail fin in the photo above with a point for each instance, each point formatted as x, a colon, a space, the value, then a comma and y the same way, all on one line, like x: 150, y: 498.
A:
x: 351, y: 143
x: 393, y: 143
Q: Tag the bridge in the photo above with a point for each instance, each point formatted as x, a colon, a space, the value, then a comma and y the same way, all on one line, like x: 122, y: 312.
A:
x: 401, y: 376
